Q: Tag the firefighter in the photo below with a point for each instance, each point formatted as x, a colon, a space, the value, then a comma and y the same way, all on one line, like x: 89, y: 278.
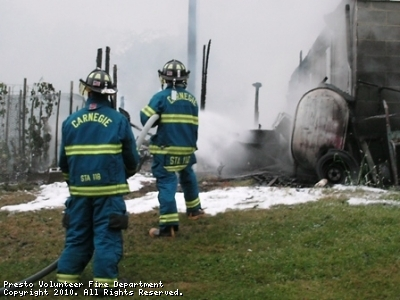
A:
x: 173, y: 147
x: 98, y: 153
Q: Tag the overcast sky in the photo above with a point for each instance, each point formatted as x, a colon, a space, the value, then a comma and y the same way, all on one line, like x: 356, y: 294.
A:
x: 252, y: 41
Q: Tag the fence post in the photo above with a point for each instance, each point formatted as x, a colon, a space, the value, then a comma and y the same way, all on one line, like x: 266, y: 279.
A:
x: 20, y: 123
x: 23, y: 119
x: 8, y: 114
x: 56, y: 131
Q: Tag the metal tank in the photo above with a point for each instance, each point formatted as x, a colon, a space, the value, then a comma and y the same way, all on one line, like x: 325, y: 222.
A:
x: 319, y: 135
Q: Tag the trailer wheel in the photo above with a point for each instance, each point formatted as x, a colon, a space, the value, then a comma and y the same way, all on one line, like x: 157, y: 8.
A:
x: 338, y: 167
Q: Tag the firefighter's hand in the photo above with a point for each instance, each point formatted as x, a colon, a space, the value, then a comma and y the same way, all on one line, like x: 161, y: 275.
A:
x: 144, y: 153
x: 323, y: 182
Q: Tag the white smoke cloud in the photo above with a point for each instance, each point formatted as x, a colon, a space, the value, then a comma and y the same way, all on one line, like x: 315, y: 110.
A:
x: 252, y: 41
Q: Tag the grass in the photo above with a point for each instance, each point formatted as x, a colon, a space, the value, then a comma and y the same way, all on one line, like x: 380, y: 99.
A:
x: 317, y: 250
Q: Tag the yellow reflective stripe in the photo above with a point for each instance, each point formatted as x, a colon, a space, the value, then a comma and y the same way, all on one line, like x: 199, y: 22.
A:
x: 99, y: 190
x: 68, y: 278
x: 193, y: 203
x: 148, y: 111
x: 169, y: 218
x: 110, y: 281
x: 93, y: 149
x: 65, y: 176
x: 175, y: 150
x: 179, y: 118
x: 175, y: 168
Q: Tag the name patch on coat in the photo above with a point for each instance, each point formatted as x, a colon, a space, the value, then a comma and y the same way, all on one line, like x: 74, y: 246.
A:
x: 183, y: 96
x: 91, y: 117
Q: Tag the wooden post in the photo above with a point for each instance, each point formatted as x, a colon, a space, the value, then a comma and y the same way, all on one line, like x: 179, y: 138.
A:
x: 107, y: 69
x: 115, y: 82
x: 206, y: 54
x: 56, y: 131
x: 202, y: 97
x: 71, y: 97
x: 99, y: 57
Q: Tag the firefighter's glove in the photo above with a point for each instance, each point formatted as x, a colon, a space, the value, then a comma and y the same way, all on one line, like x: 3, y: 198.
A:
x: 130, y: 173
x: 144, y: 153
x: 65, y: 220
x: 118, y: 222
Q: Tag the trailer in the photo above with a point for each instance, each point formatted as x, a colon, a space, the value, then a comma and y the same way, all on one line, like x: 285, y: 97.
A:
x: 320, y: 131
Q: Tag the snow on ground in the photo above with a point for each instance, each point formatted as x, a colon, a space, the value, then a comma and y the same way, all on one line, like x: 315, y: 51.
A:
x: 215, y: 201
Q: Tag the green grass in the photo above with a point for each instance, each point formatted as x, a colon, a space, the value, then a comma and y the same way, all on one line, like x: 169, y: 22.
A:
x: 318, y: 250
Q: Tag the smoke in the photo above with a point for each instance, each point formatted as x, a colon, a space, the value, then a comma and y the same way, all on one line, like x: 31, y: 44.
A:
x: 252, y: 41
x: 216, y: 142
x: 249, y: 44
x: 138, y: 58
x: 228, y: 139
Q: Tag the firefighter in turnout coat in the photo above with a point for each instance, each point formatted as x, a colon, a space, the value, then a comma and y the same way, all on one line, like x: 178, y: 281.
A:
x: 98, y: 153
x: 173, y: 147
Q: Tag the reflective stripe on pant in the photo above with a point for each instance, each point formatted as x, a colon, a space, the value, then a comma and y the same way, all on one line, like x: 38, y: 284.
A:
x: 88, y: 232
x: 68, y: 278
x: 167, y: 184
x: 188, y: 181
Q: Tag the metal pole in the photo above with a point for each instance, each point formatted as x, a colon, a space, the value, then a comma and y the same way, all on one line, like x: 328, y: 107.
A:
x: 257, y: 85
x: 192, y: 46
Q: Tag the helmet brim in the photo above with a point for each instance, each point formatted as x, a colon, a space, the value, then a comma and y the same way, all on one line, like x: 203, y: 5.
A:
x: 171, y: 78
x: 107, y: 91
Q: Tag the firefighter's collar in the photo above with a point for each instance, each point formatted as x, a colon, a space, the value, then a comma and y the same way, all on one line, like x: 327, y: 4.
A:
x: 95, y: 103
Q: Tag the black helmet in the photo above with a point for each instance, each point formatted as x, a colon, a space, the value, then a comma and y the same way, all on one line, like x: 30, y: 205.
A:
x: 98, y: 81
x: 174, y: 70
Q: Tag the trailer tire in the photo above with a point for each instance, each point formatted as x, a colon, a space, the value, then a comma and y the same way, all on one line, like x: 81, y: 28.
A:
x: 338, y: 167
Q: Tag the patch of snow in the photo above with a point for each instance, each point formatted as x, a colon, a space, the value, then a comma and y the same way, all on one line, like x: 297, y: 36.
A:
x: 214, y: 202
